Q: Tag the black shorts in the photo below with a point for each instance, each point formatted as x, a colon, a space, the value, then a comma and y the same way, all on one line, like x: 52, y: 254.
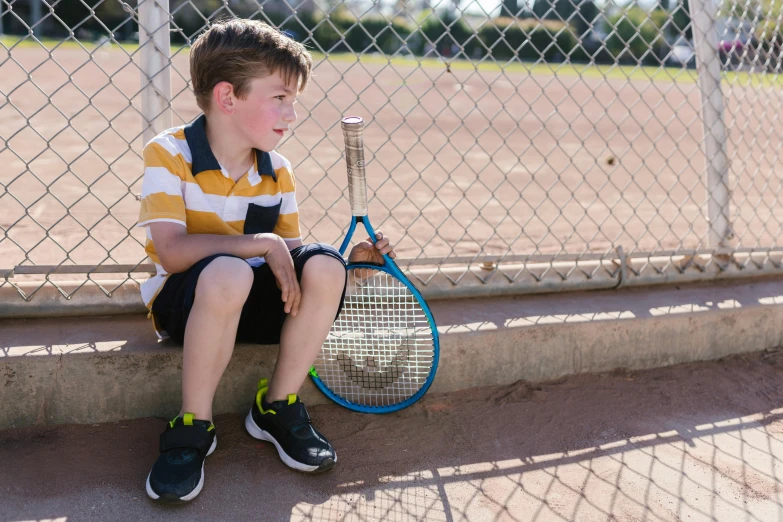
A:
x: 263, y: 314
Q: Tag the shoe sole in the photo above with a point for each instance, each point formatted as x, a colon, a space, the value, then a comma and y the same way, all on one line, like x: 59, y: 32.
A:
x: 171, y: 499
x: 257, y: 433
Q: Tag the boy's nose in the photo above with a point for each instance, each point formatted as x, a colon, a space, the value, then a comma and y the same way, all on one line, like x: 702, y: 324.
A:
x: 289, y: 116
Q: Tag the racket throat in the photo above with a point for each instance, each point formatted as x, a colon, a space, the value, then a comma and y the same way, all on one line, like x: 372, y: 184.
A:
x: 352, y: 229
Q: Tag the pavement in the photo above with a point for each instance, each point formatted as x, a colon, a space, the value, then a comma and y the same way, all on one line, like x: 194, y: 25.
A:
x: 698, y: 441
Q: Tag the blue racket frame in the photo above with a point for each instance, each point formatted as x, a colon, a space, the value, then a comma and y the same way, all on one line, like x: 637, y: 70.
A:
x: 390, y: 267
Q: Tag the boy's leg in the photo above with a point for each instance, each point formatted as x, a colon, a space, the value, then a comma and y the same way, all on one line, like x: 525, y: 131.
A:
x: 217, y: 287
x: 277, y: 414
x: 222, y: 289
x: 322, y: 284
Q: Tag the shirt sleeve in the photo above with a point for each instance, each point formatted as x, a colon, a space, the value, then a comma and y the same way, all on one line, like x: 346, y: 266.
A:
x: 162, y: 197
x: 288, y: 222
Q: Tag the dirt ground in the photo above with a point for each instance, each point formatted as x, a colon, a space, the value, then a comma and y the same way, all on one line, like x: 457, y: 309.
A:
x: 462, y: 162
x: 686, y: 443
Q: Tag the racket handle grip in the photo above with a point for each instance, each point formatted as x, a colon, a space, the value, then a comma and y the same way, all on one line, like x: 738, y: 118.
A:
x: 353, y: 132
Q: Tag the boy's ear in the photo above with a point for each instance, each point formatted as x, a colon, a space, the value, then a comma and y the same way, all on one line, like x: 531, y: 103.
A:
x: 223, y: 98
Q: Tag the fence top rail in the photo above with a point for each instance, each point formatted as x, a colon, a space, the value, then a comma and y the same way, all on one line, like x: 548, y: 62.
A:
x: 459, y: 260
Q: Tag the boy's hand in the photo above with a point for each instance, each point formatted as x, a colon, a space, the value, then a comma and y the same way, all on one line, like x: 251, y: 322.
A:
x: 367, y: 252
x: 279, y: 259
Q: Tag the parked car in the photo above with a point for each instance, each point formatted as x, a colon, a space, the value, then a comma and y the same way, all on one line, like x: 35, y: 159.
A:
x: 731, y: 53
x: 682, y: 54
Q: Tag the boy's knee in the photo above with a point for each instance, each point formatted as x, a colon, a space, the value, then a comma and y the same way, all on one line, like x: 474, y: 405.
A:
x: 226, y: 282
x: 325, y: 270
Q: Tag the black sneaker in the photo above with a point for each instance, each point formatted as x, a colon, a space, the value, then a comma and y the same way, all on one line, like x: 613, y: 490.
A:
x: 287, y: 425
x: 178, y: 474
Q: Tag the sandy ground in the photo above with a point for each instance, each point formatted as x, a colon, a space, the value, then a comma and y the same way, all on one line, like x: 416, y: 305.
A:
x: 462, y: 162
x: 693, y: 442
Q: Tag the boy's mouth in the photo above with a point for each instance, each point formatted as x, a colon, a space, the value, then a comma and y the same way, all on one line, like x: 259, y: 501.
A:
x: 279, y: 132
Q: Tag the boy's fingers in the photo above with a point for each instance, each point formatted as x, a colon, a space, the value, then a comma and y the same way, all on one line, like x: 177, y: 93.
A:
x: 285, y: 286
x: 297, y: 298
x: 294, y: 304
x: 284, y: 289
x: 292, y: 293
x: 295, y: 293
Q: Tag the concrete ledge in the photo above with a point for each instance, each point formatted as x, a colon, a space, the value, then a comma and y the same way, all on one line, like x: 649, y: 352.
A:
x: 98, y: 369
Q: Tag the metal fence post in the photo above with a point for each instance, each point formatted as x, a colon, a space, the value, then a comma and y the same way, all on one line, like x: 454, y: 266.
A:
x: 35, y: 17
x: 708, y: 67
x: 154, y: 40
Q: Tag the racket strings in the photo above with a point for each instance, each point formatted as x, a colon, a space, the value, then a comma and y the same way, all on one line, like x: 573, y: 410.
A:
x: 380, y: 349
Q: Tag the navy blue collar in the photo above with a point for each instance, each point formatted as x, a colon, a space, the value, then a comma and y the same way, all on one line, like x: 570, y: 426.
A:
x: 201, y: 153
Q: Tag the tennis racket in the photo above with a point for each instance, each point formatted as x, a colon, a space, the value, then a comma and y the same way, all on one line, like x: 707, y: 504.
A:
x: 382, y: 351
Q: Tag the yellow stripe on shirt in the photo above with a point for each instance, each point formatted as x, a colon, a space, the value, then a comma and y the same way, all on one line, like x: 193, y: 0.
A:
x: 288, y: 226
x: 162, y: 206
x: 155, y: 155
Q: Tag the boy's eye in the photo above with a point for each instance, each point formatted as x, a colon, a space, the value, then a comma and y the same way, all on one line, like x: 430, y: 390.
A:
x: 281, y: 97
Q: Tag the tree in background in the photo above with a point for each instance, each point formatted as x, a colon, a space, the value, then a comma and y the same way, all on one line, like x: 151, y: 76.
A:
x: 587, y: 19
x: 88, y: 17
x: 509, y: 8
x: 638, y: 36
x: 681, y: 18
x: 443, y: 30
x: 555, y: 9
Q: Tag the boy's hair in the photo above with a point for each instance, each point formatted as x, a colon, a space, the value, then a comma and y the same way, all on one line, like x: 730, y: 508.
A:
x: 238, y: 51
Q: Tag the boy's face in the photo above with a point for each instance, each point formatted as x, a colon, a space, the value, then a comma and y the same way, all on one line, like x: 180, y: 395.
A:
x: 267, y: 112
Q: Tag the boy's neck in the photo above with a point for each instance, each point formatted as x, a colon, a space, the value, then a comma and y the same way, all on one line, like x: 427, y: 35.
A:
x: 230, y: 150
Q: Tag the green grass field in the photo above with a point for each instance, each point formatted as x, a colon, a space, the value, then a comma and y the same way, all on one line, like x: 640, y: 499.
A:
x: 618, y: 72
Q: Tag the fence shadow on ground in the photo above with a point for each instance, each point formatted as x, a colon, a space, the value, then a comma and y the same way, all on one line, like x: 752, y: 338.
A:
x: 692, y: 442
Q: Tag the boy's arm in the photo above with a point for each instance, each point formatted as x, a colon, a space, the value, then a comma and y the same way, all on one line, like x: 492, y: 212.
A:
x: 178, y: 251
x: 293, y: 243
x: 163, y: 212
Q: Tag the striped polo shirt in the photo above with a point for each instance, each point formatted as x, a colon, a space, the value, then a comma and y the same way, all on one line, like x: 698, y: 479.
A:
x: 184, y: 183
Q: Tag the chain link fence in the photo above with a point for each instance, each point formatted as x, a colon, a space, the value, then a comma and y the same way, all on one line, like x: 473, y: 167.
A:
x: 513, y: 147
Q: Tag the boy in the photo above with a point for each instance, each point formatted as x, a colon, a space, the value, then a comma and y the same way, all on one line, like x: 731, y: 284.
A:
x: 222, y: 225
